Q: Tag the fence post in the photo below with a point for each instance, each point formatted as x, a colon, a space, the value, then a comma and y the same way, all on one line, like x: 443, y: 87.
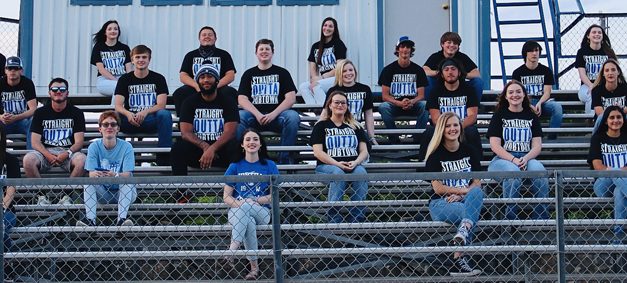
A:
x: 559, y: 212
x: 2, y: 185
x: 276, y: 231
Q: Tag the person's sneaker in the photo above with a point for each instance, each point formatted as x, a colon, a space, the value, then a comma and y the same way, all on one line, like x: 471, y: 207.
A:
x: 65, y: 200
x: 463, y: 268
x: 124, y: 222
x: 184, y: 196
x: 43, y: 200
x: 86, y: 222
x: 462, y: 234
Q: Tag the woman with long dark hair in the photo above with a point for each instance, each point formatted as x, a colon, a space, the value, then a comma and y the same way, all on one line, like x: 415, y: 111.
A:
x: 456, y: 201
x: 249, y: 202
x: 608, y: 151
x: 515, y: 136
x: 594, y: 51
x: 609, y: 89
x: 110, y: 56
x: 322, y: 59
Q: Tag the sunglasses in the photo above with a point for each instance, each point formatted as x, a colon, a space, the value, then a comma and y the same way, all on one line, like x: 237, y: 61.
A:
x: 58, y: 89
x: 107, y: 124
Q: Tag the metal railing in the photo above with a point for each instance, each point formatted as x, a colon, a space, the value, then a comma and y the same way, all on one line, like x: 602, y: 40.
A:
x: 397, y: 240
x: 9, y: 36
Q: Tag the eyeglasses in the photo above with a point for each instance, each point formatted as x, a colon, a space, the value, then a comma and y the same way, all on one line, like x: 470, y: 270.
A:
x: 107, y: 124
x: 58, y: 89
x: 339, y: 103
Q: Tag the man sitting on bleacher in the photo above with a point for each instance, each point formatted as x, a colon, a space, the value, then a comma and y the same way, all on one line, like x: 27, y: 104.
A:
x: 18, y: 100
x: 57, y: 134
x: 208, y: 126
x: 140, y: 98
x: 267, y: 94
x: 109, y: 157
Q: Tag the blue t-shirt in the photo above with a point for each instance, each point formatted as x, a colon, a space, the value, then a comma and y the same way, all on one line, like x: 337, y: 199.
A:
x: 245, y: 168
x: 119, y: 159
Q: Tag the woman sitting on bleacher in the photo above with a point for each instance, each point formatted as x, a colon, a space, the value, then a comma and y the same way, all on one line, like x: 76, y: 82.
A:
x: 456, y: 201
x: 110, y: 56
x: 360, y: 100
x: 515, y: 136
x: 339, y: 145
x: 609, y: 89
x: 249, y: 202
x: 608, y: 151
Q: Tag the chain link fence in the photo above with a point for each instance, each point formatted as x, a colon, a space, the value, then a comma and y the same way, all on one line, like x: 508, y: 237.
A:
x: 397, y: 239
x: 9, y: 36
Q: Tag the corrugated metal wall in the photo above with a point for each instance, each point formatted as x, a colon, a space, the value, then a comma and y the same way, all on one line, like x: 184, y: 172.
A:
x: 62, y: 36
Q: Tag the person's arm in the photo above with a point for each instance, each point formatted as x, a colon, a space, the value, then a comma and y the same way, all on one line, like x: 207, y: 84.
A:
x: 9, y: 195
x: 288, y: 102
x: 368, y: 116
x: 497, y: 148
x: 536, y: 147
x: 429, y: 72
x: 420, y: 95
x: 187, y: 134
x: 598, y: 110
x: 162, y: 99
x: 473, y: 74
x: 245, y: 103
x: 32, y: 106
x: 546, y: 94
x: 119, y: 107
x: 79, y: 138
x: 228, y: 198
x: 443, y: 190
x: 228, y: 135
x: 39, y: 146
x: 128, y: 67
x: 387, y: 97
x: 324, y: 157
x: 187, y: 80
x: 584, y: 77
x: 228, y: 78
x: 597, y: 164
x: 363, y: 154
x: 471, y: 117
x: 104, y: 72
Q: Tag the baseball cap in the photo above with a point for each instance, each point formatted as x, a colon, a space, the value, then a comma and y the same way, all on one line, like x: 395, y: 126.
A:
x: 207, y: 69
x: 405, y: 39
x: 14, y: 61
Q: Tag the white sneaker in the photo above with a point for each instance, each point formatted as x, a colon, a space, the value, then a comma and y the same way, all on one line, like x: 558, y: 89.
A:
x: 462, y: 234
x: 65, y: 200
x: 43, y: 200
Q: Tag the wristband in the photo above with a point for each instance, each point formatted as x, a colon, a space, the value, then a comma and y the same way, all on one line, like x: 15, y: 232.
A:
x: 69, y: 151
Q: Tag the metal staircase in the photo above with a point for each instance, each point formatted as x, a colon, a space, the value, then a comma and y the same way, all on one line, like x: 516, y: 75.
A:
x: 530, y: 21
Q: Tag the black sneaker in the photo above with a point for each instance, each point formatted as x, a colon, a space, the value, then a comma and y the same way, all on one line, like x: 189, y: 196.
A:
x: 86, y: 222
x: 124, y: 222
x: 463, y: 268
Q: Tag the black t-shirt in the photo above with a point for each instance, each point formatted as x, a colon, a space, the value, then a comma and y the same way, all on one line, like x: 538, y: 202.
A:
x: 112, y: 57
x: 15, y: 98
x: 57, y: 129
x: 516, y: 129
x: 140, y: 94
x: 590, y: 59
x: 359, y: 98
x: 463, y: 160
x: 266, y: 89
x: 534, y: 80
x: 403, y: 82
x: 341, y: 143
x: 208, y: 118
x: 611, y: 151
x: 219, y: 58
x: 434, y: 60
x: 332, y: 51
x: 604, y: 98
x: 457, y: 101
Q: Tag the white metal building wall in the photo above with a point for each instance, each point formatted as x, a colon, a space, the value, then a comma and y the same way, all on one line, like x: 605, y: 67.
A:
x: 62, y: 36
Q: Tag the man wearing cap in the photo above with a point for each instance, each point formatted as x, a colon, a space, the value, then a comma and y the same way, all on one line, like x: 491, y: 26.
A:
x: 18, y: 100
x: 266, y: 94
x: 451, y: 93
x: 207, y: 53
x: 140, y: 98
x: 402, y: 87
x: 450, y: 41
x: 57, y: 135
x: 208, y: 126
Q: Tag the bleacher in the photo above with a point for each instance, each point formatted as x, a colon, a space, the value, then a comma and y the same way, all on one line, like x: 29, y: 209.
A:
x: 172, y: 241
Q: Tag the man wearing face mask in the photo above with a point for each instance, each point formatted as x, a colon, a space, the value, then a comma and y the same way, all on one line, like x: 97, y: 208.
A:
x: 207, y: 52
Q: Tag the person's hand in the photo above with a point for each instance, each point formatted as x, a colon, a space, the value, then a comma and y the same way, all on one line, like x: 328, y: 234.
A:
x: 454, y: 198
x: 521, y: 163
x: 345, y: 166
x: 61, y: 157
x: 313, y: 82
x: 131, y: 119
x: 207, y: 158
x: 52, y: 158
x: 8, y: 118
x: 268, y: 118
x: 140, y: 116
x: 251, y: 201
x: 537, y: 108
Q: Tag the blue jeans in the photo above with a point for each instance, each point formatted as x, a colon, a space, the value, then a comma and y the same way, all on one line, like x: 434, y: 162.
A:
x: 476, y: 84
x: 616, y: 187
x: 9, y: 222
x: 286, y: 123
x: 511, y: 187
x: 159, y: 122
x: 244, y: 220
x: 123, y: 195
x: 389, y: 112
x: 338, y: 188
x: 468, y: 209
x: 554, y: 110
x: 21, y: 127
